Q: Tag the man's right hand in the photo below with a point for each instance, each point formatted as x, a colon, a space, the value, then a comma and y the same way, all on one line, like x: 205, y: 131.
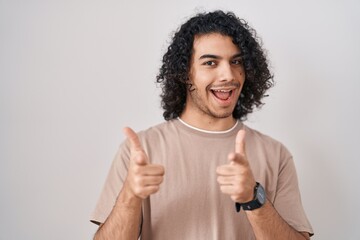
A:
x: 143, y: 178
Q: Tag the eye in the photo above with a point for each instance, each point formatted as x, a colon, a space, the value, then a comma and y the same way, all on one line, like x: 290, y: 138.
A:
x: 237, y: 62
x: 209, y: 63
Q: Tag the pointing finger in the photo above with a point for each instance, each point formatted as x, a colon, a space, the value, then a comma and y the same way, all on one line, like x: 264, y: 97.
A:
x: 135, y: 144
x: 239, y: 156
x: 140, y: 158
x: 137, y: 152
x: 240, y: 142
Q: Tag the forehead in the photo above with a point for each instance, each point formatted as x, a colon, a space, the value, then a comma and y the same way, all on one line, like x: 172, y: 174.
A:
x: 214, y: 43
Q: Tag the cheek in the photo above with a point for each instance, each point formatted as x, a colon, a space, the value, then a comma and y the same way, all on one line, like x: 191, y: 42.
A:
x: 241, y: 73
x: 201, y: 79
x: 241, y: 78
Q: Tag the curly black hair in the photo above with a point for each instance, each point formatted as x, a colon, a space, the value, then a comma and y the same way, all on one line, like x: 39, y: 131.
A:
x: 174, y: 72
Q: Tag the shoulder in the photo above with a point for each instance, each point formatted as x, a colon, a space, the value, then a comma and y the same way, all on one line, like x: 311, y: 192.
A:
x: 260, y: 141
x: 149, y: 134
x: 160, y: 135
x: 160, y: 130
x: 151, y: 138
x: 259, y: 136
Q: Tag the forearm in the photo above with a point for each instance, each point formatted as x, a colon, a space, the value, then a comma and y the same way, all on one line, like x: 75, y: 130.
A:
x: 123, y: 221
x: 268, y: 224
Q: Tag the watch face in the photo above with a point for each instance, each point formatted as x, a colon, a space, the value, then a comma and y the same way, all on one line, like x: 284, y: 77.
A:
x: 260, y: 195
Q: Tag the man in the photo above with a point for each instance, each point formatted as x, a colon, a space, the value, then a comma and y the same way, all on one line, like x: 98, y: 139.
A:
x: 183, y: 178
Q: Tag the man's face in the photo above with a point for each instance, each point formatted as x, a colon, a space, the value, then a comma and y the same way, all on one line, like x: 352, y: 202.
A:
x: 217, y: 76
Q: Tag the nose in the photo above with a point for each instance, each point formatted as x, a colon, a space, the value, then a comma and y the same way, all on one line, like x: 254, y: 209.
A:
x: 226, y: 73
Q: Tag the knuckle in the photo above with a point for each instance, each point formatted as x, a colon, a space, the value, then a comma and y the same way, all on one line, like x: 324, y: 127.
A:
x: 143, y: 196
x: 136, y: 169
x: 138, y: 191
x: 160, y: 170
x: 234, y: 198
x: 156, y: 189
x: 239, y: 190
x: 138, y: 181
x: 161, y: 179
x: 246, y: 170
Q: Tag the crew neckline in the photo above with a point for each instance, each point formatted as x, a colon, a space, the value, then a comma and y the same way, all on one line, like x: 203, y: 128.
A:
x: 207, y: 131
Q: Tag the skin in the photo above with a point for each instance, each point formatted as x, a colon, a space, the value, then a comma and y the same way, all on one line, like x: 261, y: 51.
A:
x: 143, y: 179
x: 215, y: 66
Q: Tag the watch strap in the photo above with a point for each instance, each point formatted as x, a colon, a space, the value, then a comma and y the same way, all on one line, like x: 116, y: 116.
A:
x: 251, y: 205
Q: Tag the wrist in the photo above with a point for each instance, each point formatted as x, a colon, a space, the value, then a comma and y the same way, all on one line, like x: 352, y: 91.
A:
x: 257, y: 201
x: 128, y: 198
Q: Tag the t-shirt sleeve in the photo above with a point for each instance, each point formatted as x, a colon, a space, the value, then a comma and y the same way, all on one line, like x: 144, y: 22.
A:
x: 113, y: 184
x: 287, y: 199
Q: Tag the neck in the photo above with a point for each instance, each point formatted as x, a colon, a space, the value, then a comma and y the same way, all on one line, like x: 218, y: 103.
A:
x: 209, y: 123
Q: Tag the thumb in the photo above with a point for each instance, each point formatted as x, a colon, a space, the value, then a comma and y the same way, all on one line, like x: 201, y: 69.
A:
x: 136, y: 150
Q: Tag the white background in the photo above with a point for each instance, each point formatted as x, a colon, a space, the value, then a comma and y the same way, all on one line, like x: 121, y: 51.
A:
x: 74, y: 73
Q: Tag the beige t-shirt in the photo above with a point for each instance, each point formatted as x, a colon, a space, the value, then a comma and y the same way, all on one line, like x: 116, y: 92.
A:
x: 189, y: 204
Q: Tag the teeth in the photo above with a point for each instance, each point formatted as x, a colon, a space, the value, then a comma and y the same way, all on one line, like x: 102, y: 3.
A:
x: 221, y: 90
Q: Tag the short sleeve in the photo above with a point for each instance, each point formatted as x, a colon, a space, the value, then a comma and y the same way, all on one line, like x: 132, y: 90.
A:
x: 113, y: 184
x: 287, y: 198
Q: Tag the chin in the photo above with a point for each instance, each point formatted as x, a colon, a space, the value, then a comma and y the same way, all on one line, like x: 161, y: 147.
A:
x: 221, y: 115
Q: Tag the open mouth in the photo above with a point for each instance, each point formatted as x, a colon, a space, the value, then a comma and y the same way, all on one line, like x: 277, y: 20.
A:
x: 222, y: 95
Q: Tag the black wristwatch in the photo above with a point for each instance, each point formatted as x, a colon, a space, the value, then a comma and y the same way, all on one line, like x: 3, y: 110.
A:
x: 257, y: 202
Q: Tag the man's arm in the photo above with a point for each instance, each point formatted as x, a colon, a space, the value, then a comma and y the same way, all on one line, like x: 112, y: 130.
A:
x: 124, y: 219
x: 268, y: 224
x: 236, y: 179
x: 143, y: 179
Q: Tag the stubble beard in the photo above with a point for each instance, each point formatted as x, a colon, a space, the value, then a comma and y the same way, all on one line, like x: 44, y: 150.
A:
x: 199, y: 103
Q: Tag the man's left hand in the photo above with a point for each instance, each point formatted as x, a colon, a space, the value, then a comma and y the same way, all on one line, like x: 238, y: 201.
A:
x: 236, y: 178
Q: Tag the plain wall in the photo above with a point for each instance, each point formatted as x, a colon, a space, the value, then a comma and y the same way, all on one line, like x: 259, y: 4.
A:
x: 74, y: 73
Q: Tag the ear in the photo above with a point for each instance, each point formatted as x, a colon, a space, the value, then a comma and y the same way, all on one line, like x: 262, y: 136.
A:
x: 189, y: 85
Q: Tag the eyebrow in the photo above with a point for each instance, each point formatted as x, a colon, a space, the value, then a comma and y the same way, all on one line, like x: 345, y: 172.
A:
x: 217, y: 57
